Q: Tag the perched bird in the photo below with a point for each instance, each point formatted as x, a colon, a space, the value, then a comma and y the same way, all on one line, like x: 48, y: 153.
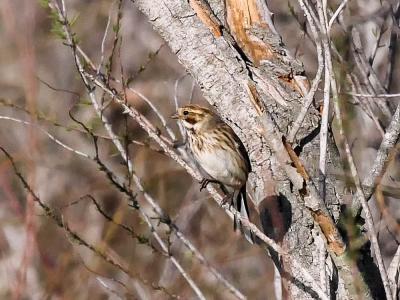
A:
x: 220, y: 153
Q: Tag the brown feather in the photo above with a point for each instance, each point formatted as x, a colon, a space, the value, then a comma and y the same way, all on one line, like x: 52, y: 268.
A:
x: 219, y: 152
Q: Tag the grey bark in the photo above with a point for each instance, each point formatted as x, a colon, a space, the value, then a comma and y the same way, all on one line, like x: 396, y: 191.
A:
x: 222, y: 74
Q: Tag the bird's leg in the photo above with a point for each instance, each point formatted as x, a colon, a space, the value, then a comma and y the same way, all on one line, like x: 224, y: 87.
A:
x: 232, y: 197
x: 205, y: 181
x: 228, y: 196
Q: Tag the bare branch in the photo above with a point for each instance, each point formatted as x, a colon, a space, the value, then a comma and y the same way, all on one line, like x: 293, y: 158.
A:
x: 156, y: 111
x: 103, y: 41
x: 74, y: 236
x: 377, y: 171
x: 52, y: 137
x: 374, y: 96
x: 308, y: 99
x: 336, y: 14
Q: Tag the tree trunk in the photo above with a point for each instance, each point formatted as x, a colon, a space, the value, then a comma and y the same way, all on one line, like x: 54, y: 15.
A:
x: 232, y: 50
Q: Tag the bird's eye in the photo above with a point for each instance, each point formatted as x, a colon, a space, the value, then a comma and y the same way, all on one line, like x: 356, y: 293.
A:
x: 185, y: 112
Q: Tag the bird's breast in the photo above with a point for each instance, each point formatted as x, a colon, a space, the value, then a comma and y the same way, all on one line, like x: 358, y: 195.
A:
x: 221, y: 162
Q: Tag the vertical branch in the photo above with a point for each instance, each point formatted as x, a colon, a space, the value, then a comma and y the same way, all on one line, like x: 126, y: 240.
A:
x: 308, y: 99
x: 103, y: 42
x: 323, y: 131
x: 324, y: 137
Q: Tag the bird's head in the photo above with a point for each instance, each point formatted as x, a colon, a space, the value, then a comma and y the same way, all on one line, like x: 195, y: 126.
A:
x: 194, y: 116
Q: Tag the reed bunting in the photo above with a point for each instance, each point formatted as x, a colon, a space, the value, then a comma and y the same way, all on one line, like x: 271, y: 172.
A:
x: 220, y: 153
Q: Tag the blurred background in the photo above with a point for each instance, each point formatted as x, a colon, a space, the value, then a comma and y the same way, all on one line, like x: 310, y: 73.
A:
x: 39, y: 84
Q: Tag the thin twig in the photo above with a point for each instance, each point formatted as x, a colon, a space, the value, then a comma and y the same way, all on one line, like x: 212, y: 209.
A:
x: 336, y: 14
x: 103, y: 41
x: 52, y: 137
x: 377, y: 170
x: 40, y: 117
x: 308, y: 99
x: 374, y: 96
x: 156, y: 111
x: 376, y: 46
x: 140, y: 238
x: 97, y: 275
x: 323, y: 148
x: 325, y: 112
x: 74, y: 236
x: 109, y: 289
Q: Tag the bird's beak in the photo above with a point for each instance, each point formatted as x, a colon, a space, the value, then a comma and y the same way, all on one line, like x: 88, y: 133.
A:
x: 175, y: 116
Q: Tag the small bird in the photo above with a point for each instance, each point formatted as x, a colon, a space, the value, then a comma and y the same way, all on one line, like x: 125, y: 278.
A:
x: 220, y: 153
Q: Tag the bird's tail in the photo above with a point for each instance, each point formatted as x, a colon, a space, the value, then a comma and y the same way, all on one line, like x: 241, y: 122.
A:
x: 240, y: 204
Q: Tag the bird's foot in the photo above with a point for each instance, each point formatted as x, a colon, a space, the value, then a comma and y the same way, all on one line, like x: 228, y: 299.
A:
x: 204, y: 182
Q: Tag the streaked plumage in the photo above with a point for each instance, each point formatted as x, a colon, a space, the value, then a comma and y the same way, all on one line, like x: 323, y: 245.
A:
x: 219, y: 152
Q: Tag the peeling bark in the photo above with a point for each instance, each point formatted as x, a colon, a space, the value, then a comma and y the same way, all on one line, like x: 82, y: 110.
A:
x: 230, y: 63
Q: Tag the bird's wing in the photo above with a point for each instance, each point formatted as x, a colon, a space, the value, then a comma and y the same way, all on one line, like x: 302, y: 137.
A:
x: 239, y: 146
